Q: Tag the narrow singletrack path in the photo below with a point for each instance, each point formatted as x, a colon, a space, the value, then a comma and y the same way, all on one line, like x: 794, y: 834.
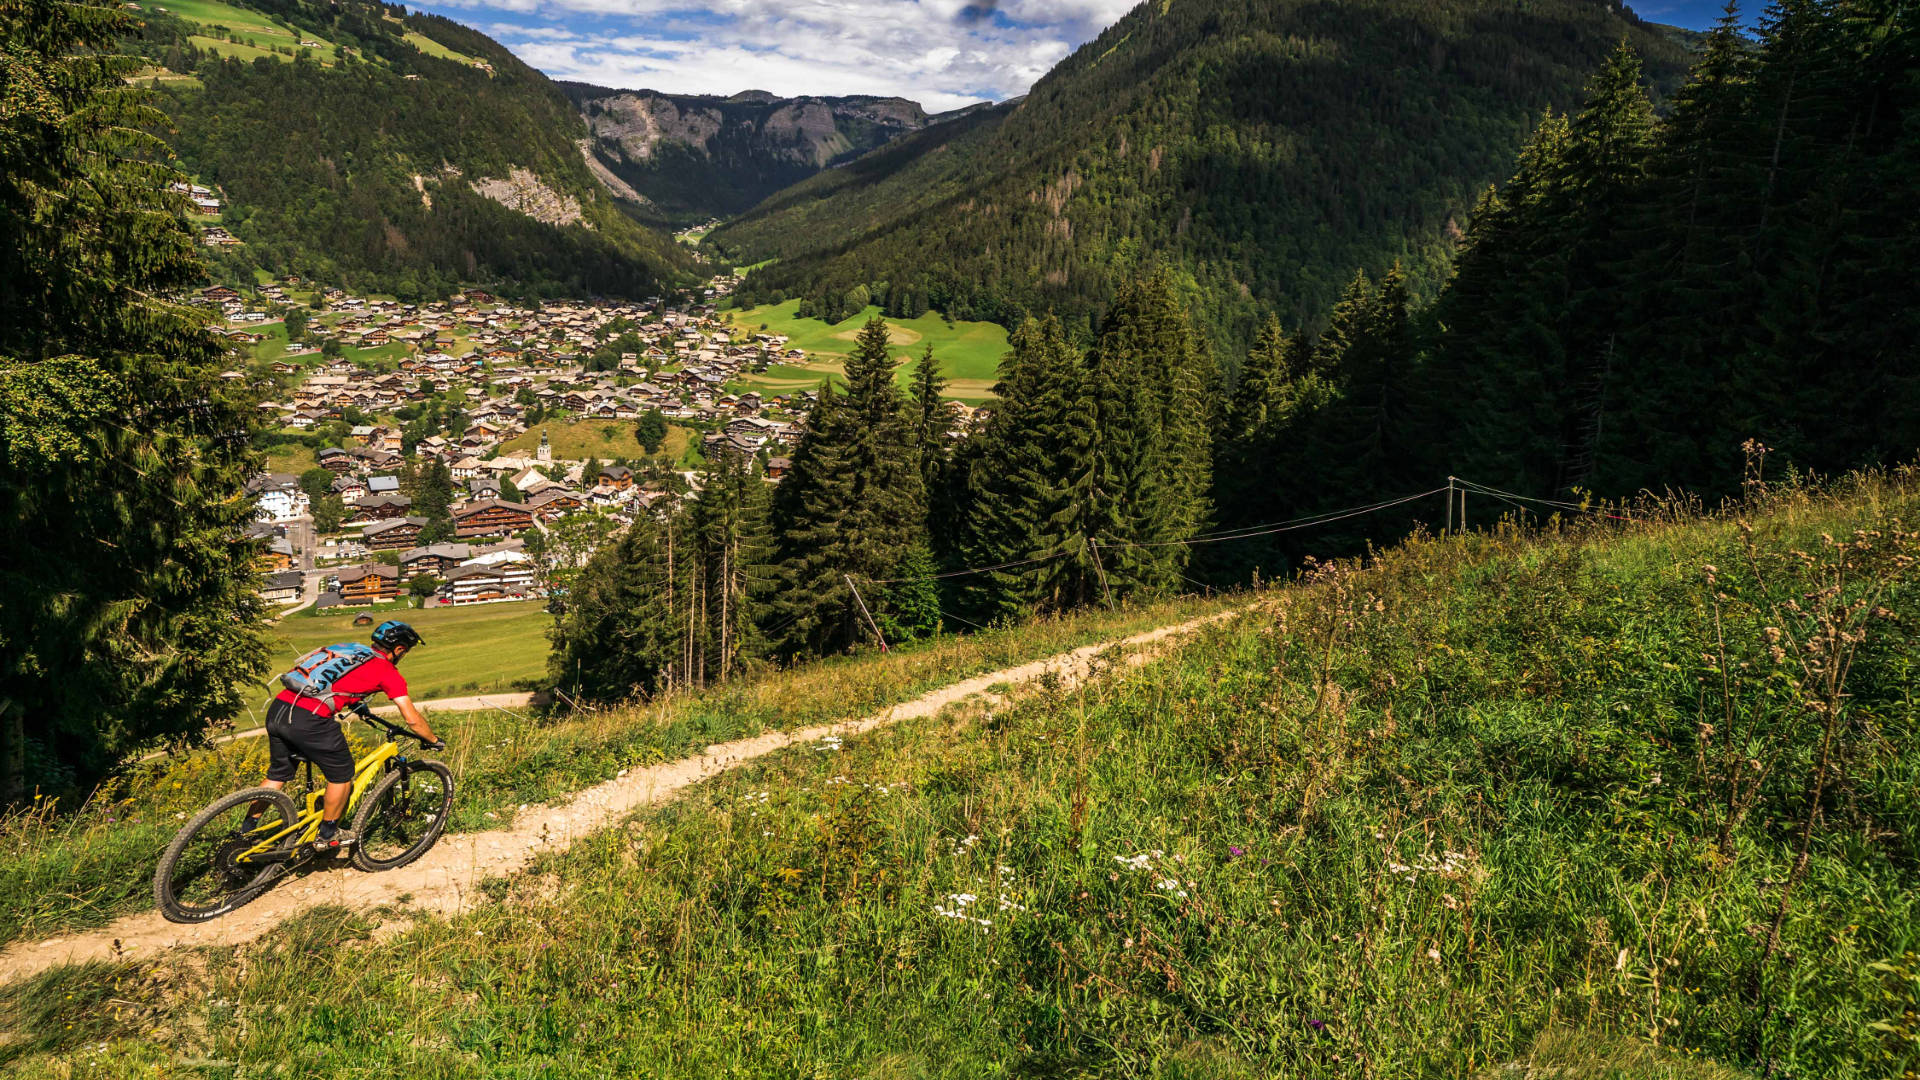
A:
x: 448, y: 878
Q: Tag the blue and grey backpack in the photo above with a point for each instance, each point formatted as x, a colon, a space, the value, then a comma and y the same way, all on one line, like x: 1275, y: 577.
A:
x: 315, y: 674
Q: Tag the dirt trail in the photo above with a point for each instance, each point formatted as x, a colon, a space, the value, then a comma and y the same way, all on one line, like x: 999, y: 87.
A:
x: 448, y: 879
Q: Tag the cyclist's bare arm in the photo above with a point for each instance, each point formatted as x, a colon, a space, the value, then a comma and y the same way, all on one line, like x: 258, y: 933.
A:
x: 414, y: 720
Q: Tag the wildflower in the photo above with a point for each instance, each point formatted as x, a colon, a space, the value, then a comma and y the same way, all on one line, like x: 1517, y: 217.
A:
x: 1172, y: 886
x: 1433, y: 954
x: 1317, y: 1025
x: 1234, y: 852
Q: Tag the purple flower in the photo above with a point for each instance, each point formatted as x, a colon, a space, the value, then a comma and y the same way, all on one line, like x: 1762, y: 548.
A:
x: 1317, y: 1025
x: 1234, y: 852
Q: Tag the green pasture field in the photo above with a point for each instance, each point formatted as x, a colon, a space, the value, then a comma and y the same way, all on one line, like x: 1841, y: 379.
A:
x: 236, y: 50
x: 473, y: 649
x: 240, y: 20
x: 577, y: 440
x: 433, y: 48
x: 294, y: 458
x: 969, y: 352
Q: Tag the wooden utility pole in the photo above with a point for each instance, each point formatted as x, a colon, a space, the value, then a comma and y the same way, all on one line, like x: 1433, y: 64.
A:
x: 863, y: 610
x: 1449, y: 504
x: 1093, y: 544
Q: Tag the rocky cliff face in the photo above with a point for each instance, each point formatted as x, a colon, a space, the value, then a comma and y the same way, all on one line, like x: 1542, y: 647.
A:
x: 698, y: 157
x: 526, y: 193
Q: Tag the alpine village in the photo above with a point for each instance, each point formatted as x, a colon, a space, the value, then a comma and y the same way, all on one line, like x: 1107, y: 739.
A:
x: 1214, y: 539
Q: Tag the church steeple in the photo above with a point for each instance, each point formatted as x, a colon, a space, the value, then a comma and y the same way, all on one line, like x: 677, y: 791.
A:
x: 545, y: 453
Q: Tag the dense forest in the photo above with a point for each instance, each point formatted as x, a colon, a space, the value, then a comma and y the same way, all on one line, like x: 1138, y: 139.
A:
x: 697, y: 157
x: 130, y: 612
x: 1648, y: 303
x: 1264, y: 148
x: 356, y: 166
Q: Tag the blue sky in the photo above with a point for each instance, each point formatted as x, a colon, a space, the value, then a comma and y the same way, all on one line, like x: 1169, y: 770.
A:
x: 940, y: 53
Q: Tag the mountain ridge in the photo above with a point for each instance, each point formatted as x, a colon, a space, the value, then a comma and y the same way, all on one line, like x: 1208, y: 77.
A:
x: 702, y: 155
x: 1267, y: 150
x: 404, y: 154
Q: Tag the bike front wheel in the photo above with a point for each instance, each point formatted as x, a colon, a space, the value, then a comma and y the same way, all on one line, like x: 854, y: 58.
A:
x: 203, y: 875
x: 402, y: 816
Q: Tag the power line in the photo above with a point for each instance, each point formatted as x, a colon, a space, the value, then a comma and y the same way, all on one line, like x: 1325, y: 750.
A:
x: 1289, y: 526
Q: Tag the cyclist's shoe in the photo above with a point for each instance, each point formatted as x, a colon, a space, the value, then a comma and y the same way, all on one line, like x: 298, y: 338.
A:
x: 341, y: 840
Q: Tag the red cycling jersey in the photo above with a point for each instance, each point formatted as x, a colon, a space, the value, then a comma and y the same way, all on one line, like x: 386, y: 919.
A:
x: 376, y: 676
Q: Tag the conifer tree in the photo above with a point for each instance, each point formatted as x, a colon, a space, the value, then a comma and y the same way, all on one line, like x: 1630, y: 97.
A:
x: 851, y: 506
x: 1013, y: 471
x: 130, y: 612
x: 730, y: 521
x: 620, y: 636
x: 933, y: 418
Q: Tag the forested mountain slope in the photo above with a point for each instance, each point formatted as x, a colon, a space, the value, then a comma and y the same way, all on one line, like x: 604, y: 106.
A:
x: 698, y: 156
x: 408, y: 154
x: 1268, y: 148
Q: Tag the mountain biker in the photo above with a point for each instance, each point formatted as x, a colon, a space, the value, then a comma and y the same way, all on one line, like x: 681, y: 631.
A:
x: 308, y: 725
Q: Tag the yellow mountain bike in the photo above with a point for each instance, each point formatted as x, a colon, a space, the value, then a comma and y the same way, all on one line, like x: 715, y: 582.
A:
x: 398, y: 806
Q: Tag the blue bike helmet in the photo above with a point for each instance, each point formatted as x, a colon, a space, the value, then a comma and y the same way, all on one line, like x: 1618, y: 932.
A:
x: 394, y: 634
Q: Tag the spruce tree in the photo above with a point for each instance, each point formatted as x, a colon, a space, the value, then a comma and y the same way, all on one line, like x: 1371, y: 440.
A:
x: 729, y: 520
x: 933, y: 418
x: 130, y: 613
x: 1014, y: 471
x: 618, y: 638
x: 850, y: 507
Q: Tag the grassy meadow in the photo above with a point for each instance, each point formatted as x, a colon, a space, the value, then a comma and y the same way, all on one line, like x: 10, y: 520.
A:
x: 472, y: 649
x: 1596, y: 805
x: 604, y: 440
x: 65, y: 868
x: 969, y: 352
x: 1638, y: 802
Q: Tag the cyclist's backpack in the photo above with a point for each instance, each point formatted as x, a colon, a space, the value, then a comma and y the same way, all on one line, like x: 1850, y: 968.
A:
x: 315, y: 674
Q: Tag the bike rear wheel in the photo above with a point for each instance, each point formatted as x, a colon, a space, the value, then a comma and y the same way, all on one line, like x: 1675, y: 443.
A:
x: 402, y: 816
x: 200, y: 876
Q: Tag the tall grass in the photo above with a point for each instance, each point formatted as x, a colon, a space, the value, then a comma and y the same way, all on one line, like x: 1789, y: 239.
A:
x: 64, y: 869
x: 1497, y: 806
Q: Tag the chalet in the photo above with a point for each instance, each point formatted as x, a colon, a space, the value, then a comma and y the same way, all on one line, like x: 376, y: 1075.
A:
x: 218, y: 294
x: 282, y: 587
x: 334, y: 459
x: 491, y: 517
x: 777, y: 467
x: 434, y: 559
x: 383, y: 485
x: 474, y: 584
x: 382, y: 507
x: 369, y: 584
x: 350, y: 488
x: 393, y: 534
x: 277, y: 556
x: 554, y: 502
x: 614, y: 477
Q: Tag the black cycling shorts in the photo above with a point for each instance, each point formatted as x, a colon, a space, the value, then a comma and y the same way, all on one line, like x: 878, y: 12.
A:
x: 291, y: 729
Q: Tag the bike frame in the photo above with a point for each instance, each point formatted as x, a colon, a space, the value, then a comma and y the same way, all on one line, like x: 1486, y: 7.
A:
x: 365, y: 771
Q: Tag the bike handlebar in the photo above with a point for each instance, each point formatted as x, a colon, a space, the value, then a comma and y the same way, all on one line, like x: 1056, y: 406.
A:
x: 360, y: 709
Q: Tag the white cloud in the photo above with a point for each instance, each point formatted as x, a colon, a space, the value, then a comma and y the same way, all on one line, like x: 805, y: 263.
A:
x: 941, y: 53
